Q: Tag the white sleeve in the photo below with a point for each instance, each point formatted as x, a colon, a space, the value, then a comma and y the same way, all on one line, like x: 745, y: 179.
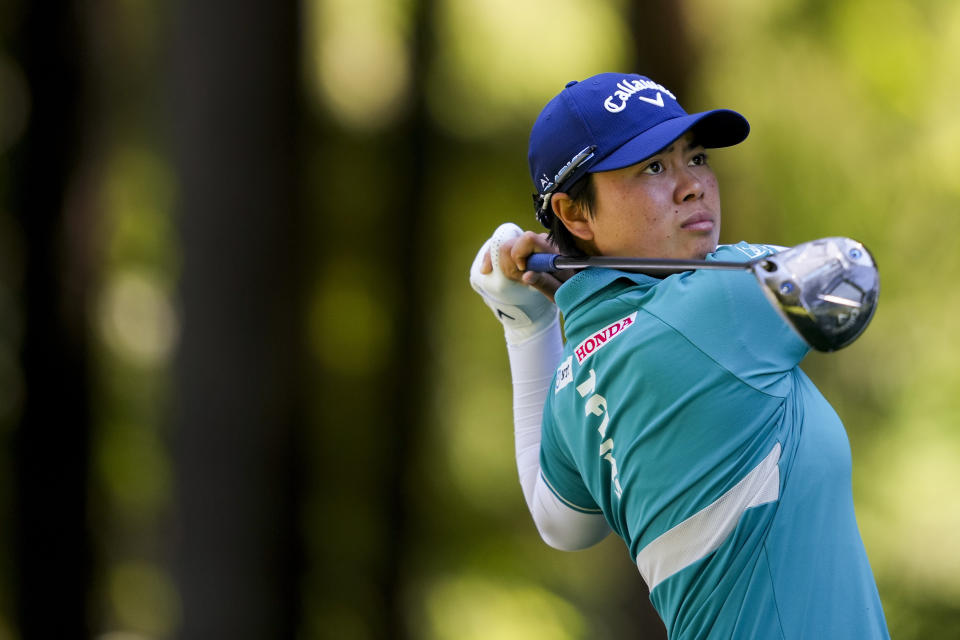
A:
x: 532, y: 329
x: 532, y: 364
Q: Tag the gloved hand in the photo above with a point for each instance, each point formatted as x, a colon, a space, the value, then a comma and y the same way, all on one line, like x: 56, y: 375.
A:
x: 523, y: 311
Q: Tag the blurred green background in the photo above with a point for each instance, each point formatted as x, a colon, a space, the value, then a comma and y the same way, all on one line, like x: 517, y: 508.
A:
x: 245, y: 388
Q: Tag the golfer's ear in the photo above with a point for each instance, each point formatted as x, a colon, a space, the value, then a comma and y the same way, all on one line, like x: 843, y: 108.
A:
x: 574, y: 217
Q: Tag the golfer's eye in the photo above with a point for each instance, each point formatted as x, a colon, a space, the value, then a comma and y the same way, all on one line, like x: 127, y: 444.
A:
x: 654, y: 168
x: 699, y: 159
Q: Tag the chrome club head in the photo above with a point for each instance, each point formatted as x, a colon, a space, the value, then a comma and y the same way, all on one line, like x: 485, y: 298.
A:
x: 826, y: 289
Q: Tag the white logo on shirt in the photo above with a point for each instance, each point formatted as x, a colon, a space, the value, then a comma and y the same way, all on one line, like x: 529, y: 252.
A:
x: 597, y: 405
x: 754, y: 251
x: 564, y: 374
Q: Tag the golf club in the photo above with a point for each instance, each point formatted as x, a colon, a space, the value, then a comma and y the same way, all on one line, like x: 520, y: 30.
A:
x: 825, y: 289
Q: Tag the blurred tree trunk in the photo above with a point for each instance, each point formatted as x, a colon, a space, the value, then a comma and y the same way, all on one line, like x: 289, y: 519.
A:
x: 235, y: 115
x: 406, y: 375
x: 662, y: 46
x: 52, y: 441
x: 664, y: 51
x: 373, y: 413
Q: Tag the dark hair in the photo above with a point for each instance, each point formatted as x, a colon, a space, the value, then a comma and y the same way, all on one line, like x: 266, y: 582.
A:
x: 583, y: 194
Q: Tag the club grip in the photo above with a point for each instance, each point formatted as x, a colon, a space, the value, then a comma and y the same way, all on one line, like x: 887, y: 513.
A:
x: 542, y: 262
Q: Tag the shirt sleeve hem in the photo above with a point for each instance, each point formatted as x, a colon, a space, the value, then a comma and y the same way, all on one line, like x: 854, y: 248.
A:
x: 572, y: 505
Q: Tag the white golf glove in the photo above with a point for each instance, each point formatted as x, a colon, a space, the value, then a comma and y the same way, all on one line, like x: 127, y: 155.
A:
x: 523, y: 311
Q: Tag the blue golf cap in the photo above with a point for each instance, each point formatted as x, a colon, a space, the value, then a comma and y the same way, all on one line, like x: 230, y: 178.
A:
x: 610, y: 121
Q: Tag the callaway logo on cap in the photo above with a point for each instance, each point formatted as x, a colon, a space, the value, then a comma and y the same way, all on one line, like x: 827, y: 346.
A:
x: 610, y: 121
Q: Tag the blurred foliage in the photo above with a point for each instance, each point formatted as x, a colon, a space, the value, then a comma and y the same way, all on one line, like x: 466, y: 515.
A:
x: 854, y: 132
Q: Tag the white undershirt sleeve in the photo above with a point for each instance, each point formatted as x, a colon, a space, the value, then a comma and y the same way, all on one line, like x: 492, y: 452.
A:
x: 532, y: 364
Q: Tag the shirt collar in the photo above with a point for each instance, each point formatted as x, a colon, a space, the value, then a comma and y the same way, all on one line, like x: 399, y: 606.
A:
x: 583, y: 285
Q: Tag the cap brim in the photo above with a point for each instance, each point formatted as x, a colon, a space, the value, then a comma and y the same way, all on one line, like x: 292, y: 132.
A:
x: 717, y: 128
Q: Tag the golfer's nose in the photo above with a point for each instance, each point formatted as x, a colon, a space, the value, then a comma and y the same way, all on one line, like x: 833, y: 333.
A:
x: 689, y: 186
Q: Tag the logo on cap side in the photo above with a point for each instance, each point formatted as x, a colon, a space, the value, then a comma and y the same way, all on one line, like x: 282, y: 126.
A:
x: 627, y: 88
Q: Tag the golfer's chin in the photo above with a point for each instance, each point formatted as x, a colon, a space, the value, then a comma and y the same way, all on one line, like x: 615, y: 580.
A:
x: 700, y: 247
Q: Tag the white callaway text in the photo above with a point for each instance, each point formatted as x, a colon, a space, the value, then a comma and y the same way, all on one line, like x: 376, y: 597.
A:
x: 618, y: 101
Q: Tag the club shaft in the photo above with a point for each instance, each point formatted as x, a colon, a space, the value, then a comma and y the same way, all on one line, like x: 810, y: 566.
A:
x: 650, y: 266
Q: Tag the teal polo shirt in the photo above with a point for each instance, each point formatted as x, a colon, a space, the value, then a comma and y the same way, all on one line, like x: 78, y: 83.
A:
x: 680, y: 413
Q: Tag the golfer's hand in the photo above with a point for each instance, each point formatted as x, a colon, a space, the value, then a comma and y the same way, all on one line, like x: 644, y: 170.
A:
x: 513, y: 255
x: 498, y: 275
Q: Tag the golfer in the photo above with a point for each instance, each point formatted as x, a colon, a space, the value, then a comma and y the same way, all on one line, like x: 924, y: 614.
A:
x: 676, y: 414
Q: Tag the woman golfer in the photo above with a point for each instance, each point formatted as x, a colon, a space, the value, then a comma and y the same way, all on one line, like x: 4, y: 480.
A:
x: 676, y: 414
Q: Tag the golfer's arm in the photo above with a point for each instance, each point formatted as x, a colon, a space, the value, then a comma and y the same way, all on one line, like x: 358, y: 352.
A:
x: 532, y: 364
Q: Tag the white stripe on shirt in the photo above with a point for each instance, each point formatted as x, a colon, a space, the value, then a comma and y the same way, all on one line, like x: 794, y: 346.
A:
x: 704, y: 532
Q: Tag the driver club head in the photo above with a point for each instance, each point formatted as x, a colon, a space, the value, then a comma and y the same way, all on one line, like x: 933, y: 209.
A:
x: 826, y: 289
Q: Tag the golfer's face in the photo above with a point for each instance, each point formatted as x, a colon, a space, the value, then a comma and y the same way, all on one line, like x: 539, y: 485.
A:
x: 667, y: 206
